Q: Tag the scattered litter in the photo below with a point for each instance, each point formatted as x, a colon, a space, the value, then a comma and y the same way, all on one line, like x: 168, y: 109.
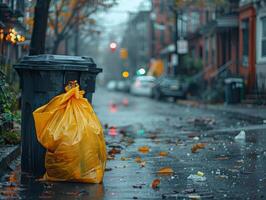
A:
x: 196, y: 147
x: 196, y: 138
x: 196, y: 178
x: 155, y: 183
x: 218, y: 172
x: 199, y: 173
x: 241, y: 136
x: 142, y: 164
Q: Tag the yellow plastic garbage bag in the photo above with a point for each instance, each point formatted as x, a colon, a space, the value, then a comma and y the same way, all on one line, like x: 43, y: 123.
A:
x: 70, y: 131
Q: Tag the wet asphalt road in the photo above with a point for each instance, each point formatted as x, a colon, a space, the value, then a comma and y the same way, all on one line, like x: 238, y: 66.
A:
x: 234, y: 169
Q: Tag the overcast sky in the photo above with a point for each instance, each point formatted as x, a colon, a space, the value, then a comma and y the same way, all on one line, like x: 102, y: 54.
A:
x: 114, y: 20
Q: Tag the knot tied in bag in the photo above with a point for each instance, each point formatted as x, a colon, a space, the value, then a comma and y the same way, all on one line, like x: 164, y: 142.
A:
x: 73, y: 85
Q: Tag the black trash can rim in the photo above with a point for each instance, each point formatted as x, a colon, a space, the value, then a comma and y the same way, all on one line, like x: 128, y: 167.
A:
x: 58, y: 62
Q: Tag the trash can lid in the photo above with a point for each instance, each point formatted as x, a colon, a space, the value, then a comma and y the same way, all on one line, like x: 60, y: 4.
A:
x: 58, y: 62
x: 233, y: 80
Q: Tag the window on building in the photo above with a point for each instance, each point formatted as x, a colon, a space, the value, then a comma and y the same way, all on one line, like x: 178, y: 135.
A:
x: 263, y: 37
x: 162, y: 37
x: 207, y: 51
x: 195, y: 20
x: 213, y: 46
x: 245, y: 42
x: 161, y: 6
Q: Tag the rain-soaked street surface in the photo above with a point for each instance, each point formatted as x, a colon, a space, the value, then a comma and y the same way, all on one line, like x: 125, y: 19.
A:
x: 149, y: 140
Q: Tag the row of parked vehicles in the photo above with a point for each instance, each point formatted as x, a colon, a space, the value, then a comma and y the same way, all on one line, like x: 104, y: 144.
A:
x: 157, y: 88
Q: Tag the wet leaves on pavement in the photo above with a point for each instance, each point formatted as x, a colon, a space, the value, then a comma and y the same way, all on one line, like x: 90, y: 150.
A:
x: 144, y: 149
x: 155, y: 183
x: 163, y: 153
x: 138, y: 159
x: 197, y: 146
x: 165, y: 171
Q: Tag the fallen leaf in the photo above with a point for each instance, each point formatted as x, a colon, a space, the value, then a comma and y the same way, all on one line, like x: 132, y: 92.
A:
x: 138, y: 160
x: 124, y: 158
x: 163, y: 153
x: 155, y: 183
x: 165, y: 171
x: 196, y: 147
x: 114, y: 151
x: 144, y: 149
x: 222, y: 158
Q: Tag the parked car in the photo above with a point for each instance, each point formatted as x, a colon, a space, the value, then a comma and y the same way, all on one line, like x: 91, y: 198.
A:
x: 112, y: 85
x: 123, y: 85
x: 142, y: 85
x: 169, y: 87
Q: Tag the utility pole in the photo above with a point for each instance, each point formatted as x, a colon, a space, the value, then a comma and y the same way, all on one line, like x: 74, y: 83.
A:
x: 37, y: 44
x: 76, y: 39
x: 175, y: 41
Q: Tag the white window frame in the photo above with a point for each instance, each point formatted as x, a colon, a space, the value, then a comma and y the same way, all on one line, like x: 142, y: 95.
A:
x: 260, y: 58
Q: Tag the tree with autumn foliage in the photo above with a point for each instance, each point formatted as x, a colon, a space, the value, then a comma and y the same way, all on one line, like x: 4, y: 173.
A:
x: 64, y: 18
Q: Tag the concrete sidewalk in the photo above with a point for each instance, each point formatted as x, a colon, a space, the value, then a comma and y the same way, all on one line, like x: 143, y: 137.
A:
x: 253, y: 112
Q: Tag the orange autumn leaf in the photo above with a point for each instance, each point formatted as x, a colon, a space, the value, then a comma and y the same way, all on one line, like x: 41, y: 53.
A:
x: 165, y: 170
x: 138, y: 160
x: 155, y: 183
x: 163, y: 153
x: 196, y: 147
x: 144, y: 149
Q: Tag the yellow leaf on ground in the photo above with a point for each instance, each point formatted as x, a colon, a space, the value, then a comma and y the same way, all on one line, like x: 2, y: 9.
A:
x: 138, y: 160
x: 144, y: 149
x: 165, y: 171
x: 124, y: 158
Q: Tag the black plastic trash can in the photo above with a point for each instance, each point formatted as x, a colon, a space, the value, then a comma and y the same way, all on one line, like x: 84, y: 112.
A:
x: 234, y: 90
x: 42, y: 77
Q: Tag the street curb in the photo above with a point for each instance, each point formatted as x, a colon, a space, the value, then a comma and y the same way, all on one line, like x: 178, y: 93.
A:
x: 240, y: 115
x: 8, y: 158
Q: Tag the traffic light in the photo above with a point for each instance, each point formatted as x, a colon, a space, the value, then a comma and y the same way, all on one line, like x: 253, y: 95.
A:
x: 123, y: 53
x: 125, y: 74
x: 113, y: 46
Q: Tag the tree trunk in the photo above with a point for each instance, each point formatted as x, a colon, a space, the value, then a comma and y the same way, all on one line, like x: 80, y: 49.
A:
x: 56, y: 44
x: 37, y: 45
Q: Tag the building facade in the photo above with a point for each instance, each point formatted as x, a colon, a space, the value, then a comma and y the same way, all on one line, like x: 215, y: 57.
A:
x: 12, y: 35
